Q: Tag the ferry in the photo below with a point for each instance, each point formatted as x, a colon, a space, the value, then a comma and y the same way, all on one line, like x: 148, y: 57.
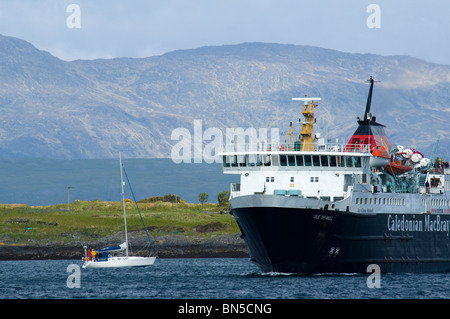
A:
x: 317, y: 207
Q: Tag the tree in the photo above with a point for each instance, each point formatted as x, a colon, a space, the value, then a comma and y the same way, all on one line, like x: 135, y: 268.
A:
x: 222, y: 198
x: 203, y: 198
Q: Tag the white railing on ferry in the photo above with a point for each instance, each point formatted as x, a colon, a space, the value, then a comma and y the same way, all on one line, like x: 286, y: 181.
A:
x: 277, y: 147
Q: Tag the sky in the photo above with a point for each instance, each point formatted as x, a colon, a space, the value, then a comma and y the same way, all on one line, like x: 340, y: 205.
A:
x: 91, y: 29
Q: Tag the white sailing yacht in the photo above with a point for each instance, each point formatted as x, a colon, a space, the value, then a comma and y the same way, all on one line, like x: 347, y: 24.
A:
x: 117, y: 256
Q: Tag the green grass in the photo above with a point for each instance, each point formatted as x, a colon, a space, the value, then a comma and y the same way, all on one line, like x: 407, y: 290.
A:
x: 89, y: 220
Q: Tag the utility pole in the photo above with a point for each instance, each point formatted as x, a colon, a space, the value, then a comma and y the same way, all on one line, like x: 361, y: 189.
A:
x: 68, y: 196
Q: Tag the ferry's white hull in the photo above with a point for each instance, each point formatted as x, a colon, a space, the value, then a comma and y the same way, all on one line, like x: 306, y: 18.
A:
x: 116, y: 262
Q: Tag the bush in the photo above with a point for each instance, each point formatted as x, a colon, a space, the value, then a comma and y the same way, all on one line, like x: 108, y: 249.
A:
x: 166, y: 198
x: 223, y: 197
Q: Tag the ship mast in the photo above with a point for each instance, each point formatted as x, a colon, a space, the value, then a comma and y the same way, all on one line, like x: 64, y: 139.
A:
x: 367, y: 114
x: 306, y: 135
x: 290, y: 134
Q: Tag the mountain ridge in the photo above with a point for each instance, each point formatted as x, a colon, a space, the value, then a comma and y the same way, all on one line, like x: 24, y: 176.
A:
x: 96, y: 108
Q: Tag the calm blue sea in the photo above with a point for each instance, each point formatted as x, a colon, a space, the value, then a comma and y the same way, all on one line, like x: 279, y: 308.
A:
x: 45, y: 181
x: 218, y: 278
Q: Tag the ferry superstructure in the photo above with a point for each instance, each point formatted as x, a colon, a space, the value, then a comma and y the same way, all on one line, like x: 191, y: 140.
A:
x: 315, y: 207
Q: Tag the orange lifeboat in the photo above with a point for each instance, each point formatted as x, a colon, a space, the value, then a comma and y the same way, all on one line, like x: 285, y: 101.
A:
x: 396, y: 167
x: 380, y: 157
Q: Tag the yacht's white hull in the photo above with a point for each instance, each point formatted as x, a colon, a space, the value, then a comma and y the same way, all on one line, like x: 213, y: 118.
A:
x: 115, y: 262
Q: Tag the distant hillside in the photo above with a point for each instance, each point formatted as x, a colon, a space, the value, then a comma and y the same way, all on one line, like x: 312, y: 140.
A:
x: 93, y: 109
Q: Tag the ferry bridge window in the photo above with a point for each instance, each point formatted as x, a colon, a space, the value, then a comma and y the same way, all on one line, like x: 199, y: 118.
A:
x: 348, y: 161
x: 333, y: 161
x: 324, y: 160
x: 356, y: 161
x: 299, y: 159
x: 252, y: 160
x: 341, y: 162
x: 291, y: 160
x: 225, y: 162
x: 307, y: 160
x: 316, y: 160
x: 283, y: 161
x: 242, y: 160
x: 265, y: 160
x: 292, y: 179
x: 233, y: 161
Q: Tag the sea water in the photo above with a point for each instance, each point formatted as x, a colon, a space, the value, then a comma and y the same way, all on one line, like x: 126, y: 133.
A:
x: 216, y: 278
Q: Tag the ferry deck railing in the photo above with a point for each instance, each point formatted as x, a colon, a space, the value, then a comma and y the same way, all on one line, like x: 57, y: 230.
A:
x: 262, y: 147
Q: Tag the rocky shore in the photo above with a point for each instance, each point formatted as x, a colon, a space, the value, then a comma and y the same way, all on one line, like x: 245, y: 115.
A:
x: 167, y: 246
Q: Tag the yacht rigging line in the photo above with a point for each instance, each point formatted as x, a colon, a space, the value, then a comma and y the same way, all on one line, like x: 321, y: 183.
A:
x: 135, y: 202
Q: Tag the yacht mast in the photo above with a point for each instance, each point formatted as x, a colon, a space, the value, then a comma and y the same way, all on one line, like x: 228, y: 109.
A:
x: 123, y: 202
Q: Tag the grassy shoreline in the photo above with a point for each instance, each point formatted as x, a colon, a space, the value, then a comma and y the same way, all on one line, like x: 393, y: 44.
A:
x: 90, y: 221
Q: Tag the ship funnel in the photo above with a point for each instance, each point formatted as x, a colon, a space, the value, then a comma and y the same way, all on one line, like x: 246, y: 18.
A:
x: 369, y: 132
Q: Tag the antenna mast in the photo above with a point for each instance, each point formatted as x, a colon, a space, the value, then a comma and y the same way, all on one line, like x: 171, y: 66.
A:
x: 306, y: 134
x: 367, y: 115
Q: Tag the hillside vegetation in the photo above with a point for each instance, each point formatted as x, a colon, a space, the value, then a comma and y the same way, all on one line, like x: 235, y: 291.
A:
x: 87, y: 221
